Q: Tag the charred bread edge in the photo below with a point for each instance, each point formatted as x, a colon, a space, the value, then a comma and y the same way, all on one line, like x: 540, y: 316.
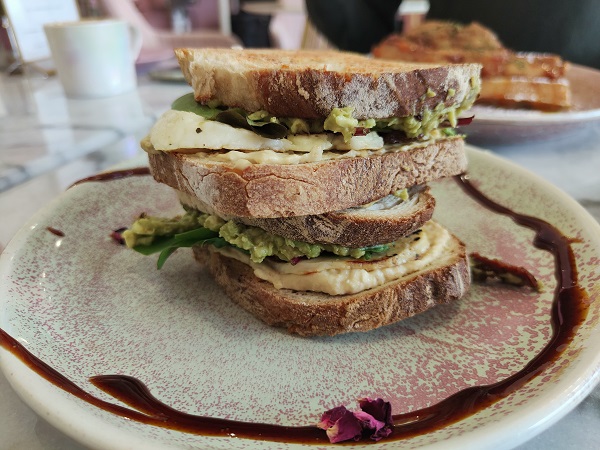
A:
x: 270, y: 190
x: 313, y: 314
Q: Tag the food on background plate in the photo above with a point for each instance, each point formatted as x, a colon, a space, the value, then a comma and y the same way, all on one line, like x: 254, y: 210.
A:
x: 303, y: 179
x: 509, y: 79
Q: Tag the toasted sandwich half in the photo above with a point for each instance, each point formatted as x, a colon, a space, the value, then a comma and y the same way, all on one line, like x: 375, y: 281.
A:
x: 303, y: 179
x: 509, y: 79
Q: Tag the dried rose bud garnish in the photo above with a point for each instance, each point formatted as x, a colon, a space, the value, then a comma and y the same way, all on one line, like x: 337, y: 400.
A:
x: 381, y: 412
x: 463, y: 121
x: 483, y: 268
x: 340, y: 424
x: 295, y: 260
x: 374, y: 421
x: 117, y: 236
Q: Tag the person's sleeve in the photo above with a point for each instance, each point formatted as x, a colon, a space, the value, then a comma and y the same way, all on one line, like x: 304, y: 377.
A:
x: 353, y: 25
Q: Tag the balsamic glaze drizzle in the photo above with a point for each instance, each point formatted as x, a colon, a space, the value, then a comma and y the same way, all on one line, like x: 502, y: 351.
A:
x: 115, y: 175
x: 569, y: 310
x: 55, y: 231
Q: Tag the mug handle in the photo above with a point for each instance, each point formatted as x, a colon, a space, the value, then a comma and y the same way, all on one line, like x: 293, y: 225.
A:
x: 136, y: 41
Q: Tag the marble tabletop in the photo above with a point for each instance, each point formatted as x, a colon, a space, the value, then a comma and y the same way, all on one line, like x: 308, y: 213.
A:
x: 47, y: 142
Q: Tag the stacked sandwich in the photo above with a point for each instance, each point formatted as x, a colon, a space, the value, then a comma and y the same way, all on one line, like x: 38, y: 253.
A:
x: 512, y: 79
x: 303, y: 179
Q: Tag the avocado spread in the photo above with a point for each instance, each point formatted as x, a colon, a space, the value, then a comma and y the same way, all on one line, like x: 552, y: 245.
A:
x: 340, y: 120
x: 146, y: 231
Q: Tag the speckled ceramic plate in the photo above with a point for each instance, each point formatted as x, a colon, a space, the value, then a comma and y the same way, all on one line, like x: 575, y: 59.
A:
x: 493, y: 125
x: 88, y: 307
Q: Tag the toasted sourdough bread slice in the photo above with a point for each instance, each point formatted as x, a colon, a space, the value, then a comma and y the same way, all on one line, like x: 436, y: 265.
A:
x: 537, y: 93
x: 534, y: 80
x: 312, y: 313
x: 279, y: 190
x: 383, y: 221
x: 309, y: 84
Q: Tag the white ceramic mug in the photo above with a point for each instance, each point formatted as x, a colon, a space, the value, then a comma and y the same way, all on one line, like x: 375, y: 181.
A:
x: 94, y: 58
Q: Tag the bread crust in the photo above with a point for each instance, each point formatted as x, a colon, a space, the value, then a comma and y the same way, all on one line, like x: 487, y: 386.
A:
x: 277, y: 190
x: 309, y: 84
x: 537, y: 93
x: 315, y: 314
x: 353, y: 227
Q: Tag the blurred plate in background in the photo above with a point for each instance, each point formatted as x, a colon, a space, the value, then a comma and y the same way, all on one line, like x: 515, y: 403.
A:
x: 497, y: 126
